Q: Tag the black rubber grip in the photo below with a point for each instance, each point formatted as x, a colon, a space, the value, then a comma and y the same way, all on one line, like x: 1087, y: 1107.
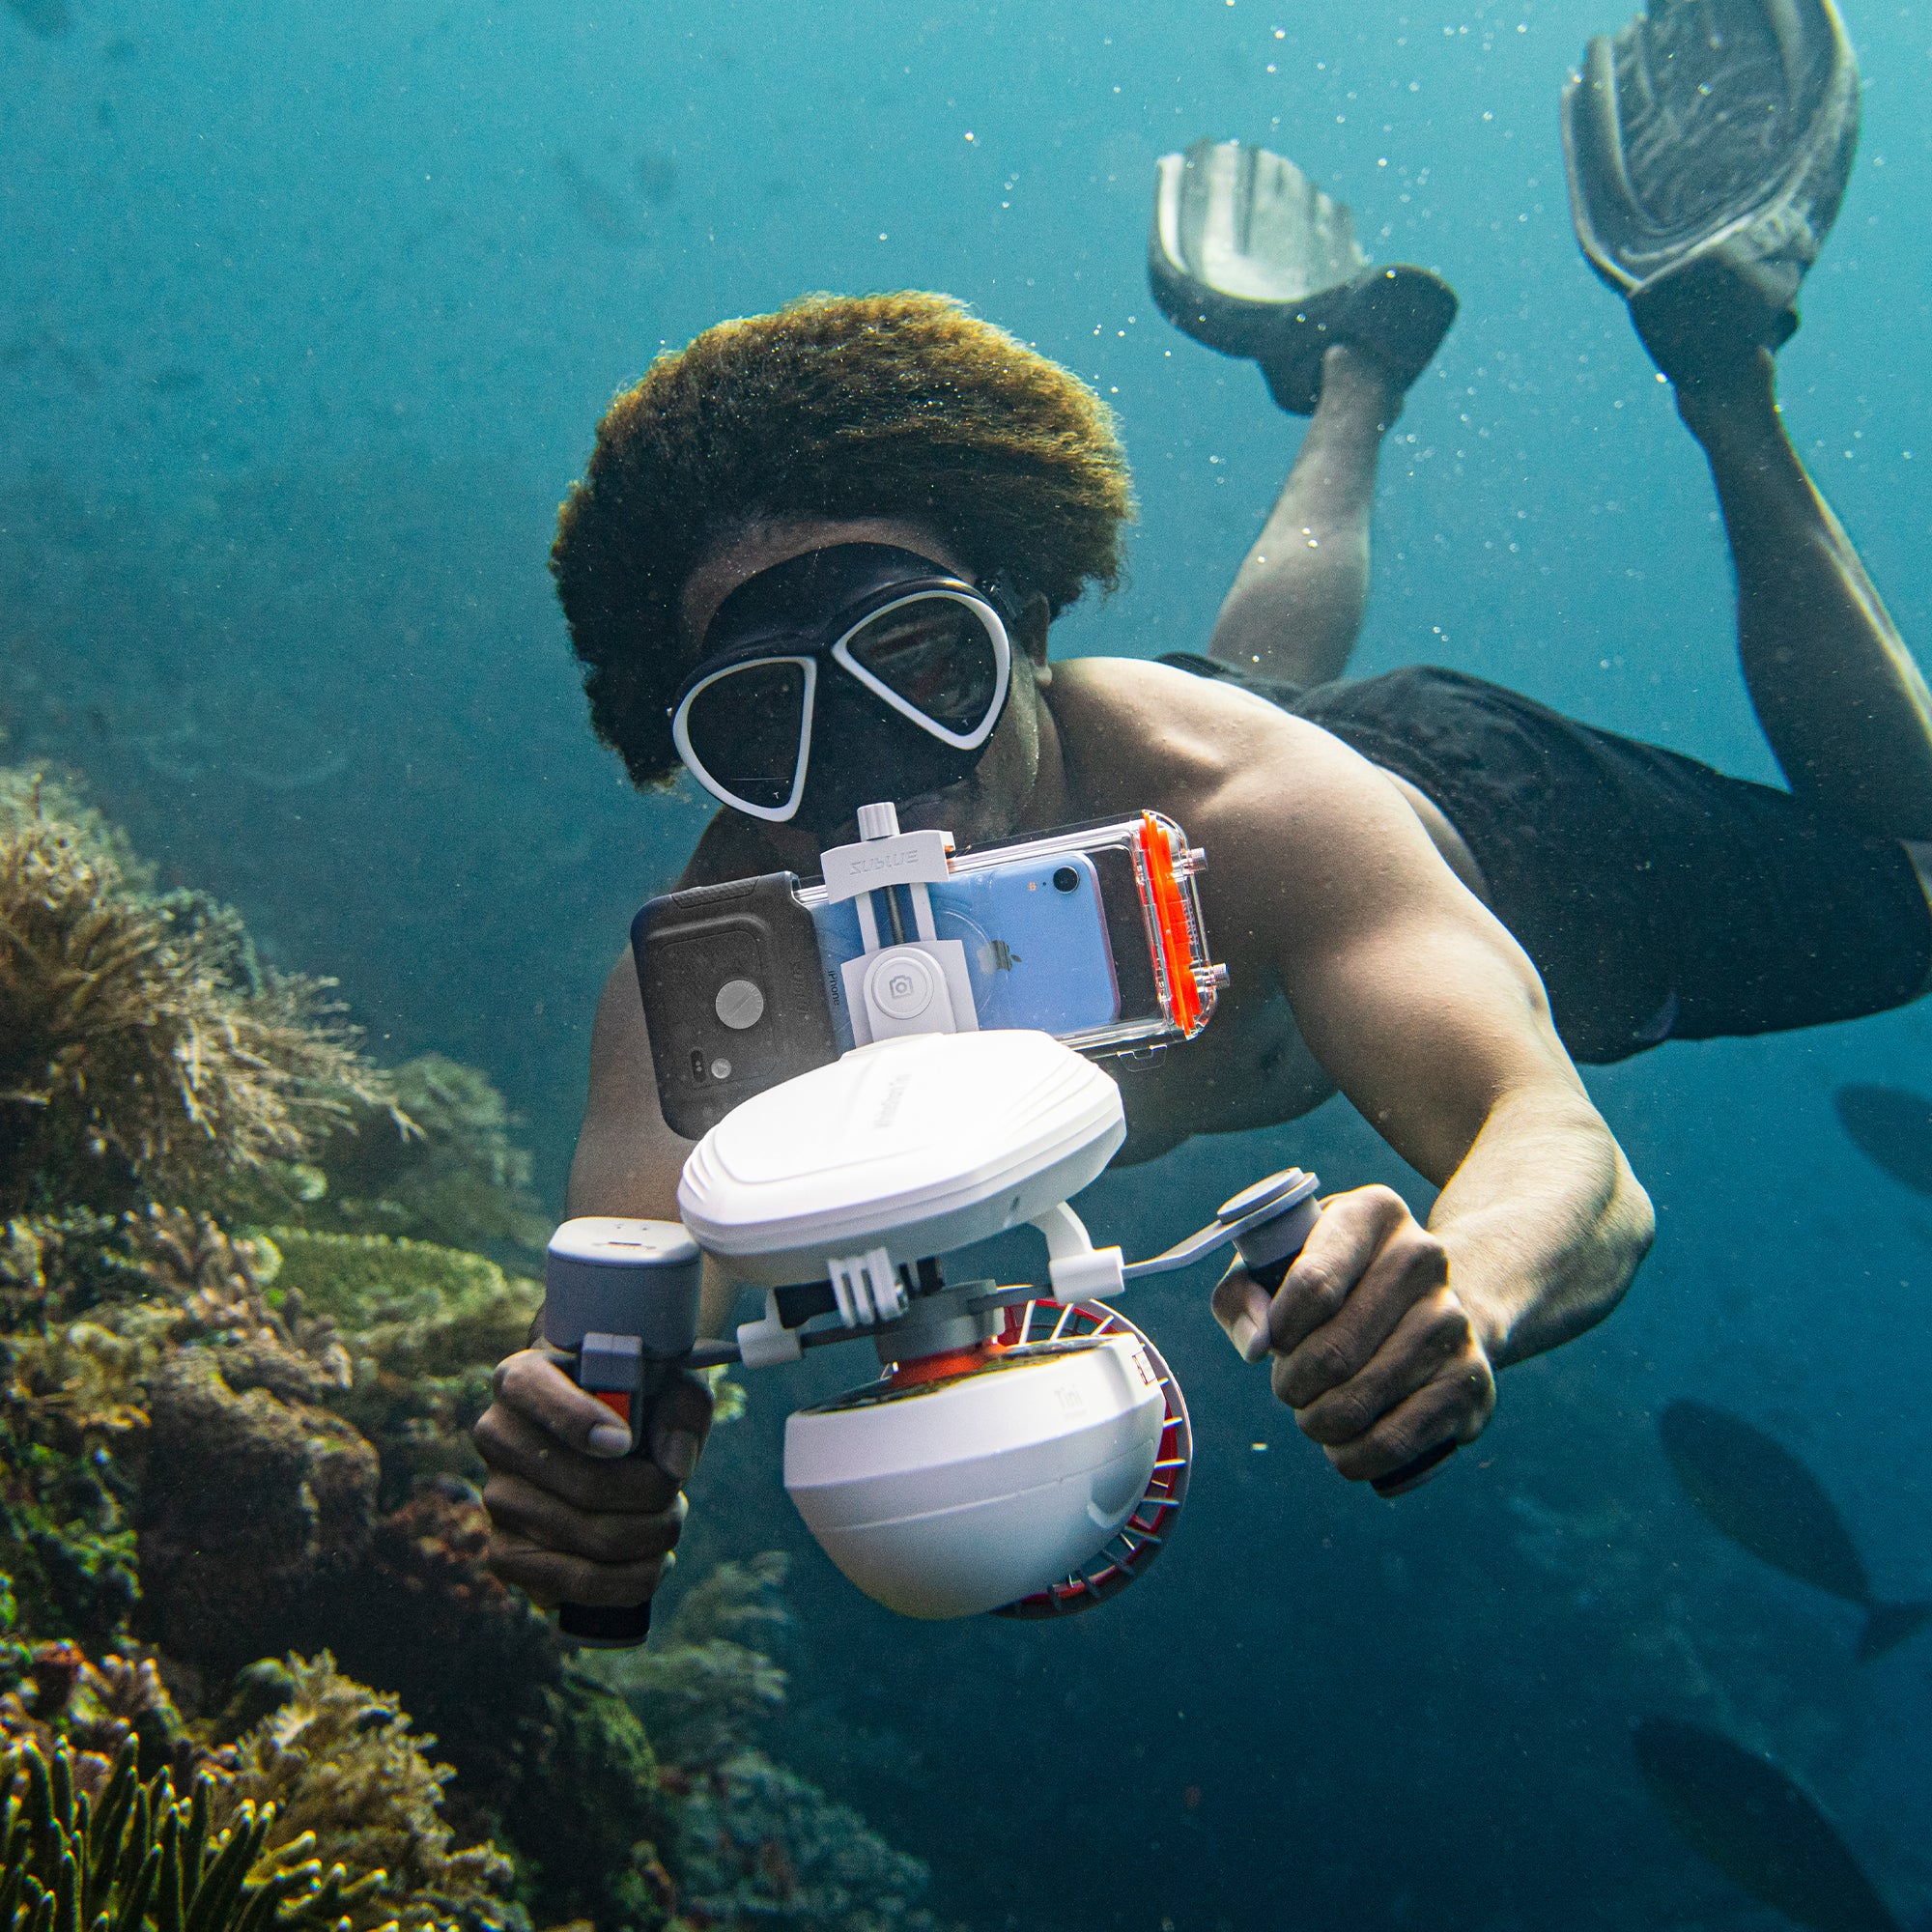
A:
x: 622, y: 1628
x: 1271, y: 1274
x: 1398, y: 1482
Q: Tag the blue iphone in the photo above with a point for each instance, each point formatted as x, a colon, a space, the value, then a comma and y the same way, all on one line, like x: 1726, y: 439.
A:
x: 1036, y: 939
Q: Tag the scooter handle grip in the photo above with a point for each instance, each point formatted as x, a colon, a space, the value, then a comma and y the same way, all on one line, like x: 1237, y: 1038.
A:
x: 622, y: 1627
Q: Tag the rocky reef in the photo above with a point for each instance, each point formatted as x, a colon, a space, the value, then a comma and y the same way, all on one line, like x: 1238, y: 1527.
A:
x: 254, y: 1669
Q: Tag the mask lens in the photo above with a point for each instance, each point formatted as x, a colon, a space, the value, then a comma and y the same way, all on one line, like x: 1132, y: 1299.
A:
x: 937, y: 655
x: 744, y: 728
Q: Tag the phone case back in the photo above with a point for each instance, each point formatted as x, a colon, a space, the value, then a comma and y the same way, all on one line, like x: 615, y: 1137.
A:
x: 733, y: 984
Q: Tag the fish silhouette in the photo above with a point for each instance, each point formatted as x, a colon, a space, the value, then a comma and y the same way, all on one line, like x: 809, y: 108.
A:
x: 655, y: 173
x: 1893, y: 1128
x: 1742, y: 1813
x: 48, y: 19
x: 600, y: 211
x: 1760, y: 1495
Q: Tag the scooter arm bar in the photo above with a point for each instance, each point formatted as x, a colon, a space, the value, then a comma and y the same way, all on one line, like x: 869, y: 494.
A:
x: 1287, y: 1198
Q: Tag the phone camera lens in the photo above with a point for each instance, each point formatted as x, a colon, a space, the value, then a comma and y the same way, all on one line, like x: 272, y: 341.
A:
x: 1067, y: 880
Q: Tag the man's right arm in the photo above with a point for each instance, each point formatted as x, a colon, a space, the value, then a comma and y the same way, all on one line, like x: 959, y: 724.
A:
x: 573, y: 1518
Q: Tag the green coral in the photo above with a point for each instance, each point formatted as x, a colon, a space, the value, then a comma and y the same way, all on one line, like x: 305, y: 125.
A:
x: 128, y: 1856
x: 132, y: 1060
x: 758, y: 1843
x: 377, y: 1283
x: 701, y: 1689
x: 589, y: 1813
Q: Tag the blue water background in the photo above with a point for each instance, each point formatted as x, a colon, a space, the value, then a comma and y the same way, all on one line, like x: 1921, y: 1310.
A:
x: 305, y: 319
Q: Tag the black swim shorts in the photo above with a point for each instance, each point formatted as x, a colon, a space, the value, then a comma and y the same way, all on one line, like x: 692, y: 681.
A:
x: 1658, y: 899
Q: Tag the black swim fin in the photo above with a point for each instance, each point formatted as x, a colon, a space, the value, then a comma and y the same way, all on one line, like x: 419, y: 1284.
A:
x: 1248, y: 256
x: 1888, y: 1625
x: 1708, y: 144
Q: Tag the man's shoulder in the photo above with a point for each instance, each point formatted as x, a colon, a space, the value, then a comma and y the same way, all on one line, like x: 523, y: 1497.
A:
x: 1148, y: 705
x: 1263, y: 787
x: 1135, y: 721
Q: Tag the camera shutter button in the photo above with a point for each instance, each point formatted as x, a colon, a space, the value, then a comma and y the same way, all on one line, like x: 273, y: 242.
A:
x: 740, y: 1004
x: 902, y: 982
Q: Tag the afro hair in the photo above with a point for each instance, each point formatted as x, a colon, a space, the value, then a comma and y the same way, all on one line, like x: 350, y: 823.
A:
x: 837, y: 407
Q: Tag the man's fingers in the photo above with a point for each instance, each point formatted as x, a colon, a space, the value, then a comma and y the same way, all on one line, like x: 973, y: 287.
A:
x: 1429, y: 1336
x: 535, y: 1387
x: 680, y: 1424
x: 552, y: 1578
x: 570, y: 1522
x: 1240, y: 1305
x: 522, y: 1510
x: 1454, y: 1407
x: 1354, y: 1226
x: 512, y: 1444
x: 1410, y: 1267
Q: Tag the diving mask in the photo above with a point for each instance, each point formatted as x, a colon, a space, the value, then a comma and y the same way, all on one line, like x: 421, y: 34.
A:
x: 903, y: 679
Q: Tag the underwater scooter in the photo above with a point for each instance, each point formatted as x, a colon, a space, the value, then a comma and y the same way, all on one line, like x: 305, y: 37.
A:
x: 1027, y: 1449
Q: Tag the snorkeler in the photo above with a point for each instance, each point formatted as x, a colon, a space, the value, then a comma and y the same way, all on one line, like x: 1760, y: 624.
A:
x: 1400, y: 864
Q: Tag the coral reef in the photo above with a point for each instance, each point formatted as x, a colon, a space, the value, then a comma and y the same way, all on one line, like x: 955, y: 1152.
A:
x: 140, y: 1049
x: 244, y: 1331
x: 335, y: 1764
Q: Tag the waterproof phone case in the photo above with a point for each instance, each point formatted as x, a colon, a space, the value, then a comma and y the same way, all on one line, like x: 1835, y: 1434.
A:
x: 1093, y: 934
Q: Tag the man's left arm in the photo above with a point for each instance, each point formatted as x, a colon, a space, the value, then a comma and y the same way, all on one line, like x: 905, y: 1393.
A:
x: 1433, y: 1021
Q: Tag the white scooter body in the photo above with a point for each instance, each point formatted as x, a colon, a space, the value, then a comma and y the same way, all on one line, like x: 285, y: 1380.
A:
x: 950, y: 1497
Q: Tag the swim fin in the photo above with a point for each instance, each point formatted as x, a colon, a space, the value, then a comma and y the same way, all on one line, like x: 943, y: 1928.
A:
x: 1247, y: 255
x: 1708, y: 146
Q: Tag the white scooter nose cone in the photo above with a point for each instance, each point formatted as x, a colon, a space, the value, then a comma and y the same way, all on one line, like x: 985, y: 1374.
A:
x: 958, y: 1497
x: 920, y: 1145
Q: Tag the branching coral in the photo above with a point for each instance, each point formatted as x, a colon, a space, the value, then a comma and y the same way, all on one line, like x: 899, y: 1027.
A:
x: 131, y: 1058
x: 754, y: 1842
x: 222, y: 1289
x: 127, y: 1854
x: 758, y: 1844
x: 60, y: 1698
